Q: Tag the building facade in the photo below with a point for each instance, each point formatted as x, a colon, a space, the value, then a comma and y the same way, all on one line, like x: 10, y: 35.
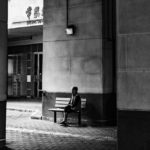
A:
x: 42, y: 57
x: 85, y: 59
x: 25, y: 48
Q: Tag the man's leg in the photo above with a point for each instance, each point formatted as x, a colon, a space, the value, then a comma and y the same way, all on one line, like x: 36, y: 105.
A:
x: 66, y: 110
x: 65, y: 116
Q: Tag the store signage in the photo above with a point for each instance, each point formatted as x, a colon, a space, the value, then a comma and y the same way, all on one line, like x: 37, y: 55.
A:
x: 37, y: 13
x: 24, y: 13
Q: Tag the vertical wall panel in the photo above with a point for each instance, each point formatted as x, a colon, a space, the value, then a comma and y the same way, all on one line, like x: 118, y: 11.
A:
x: 133, y: 74
x: 3, y: 69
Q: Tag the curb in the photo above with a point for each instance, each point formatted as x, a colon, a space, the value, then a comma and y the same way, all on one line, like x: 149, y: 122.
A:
x: 36, y: 115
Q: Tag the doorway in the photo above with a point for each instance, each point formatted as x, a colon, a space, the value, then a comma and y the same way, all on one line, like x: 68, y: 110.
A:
x: 38, y: 59
x: 25, y: 71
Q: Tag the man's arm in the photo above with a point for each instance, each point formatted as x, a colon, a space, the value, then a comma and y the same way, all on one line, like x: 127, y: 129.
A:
x: 69, y: 102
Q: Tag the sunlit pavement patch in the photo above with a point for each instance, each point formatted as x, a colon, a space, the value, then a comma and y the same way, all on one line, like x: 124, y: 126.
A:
x: 100, y: 138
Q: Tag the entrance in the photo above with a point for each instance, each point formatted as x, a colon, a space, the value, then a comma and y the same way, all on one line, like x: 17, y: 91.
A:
x: 25, y: 71
x: 38, y: 58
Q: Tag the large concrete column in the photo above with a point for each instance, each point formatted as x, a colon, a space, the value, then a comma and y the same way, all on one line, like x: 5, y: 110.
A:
x: 3, y: 69
x: 133, y: 92
x: 79, y: 59
x: 73, y: 60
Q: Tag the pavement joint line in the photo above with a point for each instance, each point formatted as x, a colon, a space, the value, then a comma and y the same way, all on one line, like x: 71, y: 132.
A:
x: 21, y: 110
x: 100, y: 138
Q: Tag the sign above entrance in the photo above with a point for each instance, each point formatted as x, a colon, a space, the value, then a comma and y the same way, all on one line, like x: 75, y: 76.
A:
x: 34, y: 22
x: 24, y: 13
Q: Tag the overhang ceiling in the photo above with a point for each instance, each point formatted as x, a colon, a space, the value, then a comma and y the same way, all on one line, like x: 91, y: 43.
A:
x: 16, y: 33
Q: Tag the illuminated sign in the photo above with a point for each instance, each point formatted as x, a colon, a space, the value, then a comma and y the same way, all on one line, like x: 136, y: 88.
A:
x: 23, y: 13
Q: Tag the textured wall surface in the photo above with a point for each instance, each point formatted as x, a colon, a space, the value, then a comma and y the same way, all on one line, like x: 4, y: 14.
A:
x: 77, y: 60
x: 133, y: 85
x: 133, y: 55
x: 73, y: 60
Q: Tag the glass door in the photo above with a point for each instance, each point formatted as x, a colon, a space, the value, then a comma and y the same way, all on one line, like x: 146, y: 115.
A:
x: 38, y: 59
x: 16, y: 75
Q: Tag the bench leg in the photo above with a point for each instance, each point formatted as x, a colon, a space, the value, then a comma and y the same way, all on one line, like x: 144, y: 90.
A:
x: 55, y: 116
x: 79, y: 118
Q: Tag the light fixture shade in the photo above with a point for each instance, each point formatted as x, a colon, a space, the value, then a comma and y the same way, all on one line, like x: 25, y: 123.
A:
x: 70, y: 30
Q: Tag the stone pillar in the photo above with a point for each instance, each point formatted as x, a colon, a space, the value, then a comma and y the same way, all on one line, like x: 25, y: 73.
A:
x: 133, y: 74
x: 3, y: 69
x: 73, y: 60
x: 83, y: 59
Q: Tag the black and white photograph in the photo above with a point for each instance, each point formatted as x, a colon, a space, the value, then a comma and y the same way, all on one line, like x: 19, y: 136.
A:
x: 74, y: 75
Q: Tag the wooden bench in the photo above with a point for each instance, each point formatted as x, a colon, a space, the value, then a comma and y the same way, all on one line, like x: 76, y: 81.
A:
x: 62, y: 102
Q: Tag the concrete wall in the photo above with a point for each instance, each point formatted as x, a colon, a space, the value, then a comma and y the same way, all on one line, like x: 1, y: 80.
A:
x: 133, y: 37
x: 3, y: 70
x: 72, y: 60
x: 75, y: 60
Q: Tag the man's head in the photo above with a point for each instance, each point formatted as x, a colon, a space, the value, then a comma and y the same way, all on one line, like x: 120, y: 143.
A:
x: 74, y: 90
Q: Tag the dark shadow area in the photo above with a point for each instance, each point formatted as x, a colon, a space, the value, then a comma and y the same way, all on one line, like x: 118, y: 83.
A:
x: 109, y: 59
x: 24, y: 99
x: 6, y: 148
x: 83, y: 125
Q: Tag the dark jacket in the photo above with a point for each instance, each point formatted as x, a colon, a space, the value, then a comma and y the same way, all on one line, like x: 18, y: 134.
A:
x: 76, y: 105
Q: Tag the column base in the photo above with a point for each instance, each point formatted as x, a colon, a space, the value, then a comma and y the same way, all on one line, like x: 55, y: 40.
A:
x: 2, y: 122
x: 2, y: 143
x: 133, y: 130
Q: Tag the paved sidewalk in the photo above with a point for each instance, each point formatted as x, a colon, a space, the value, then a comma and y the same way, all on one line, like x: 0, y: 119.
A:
x: 17, y: 140
x: 24, y: 105
x: 33, y: 106
x: 24, y: 133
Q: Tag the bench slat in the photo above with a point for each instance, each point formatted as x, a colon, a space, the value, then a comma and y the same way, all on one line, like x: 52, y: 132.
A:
x: 62, y: 98
x: 83, y: 100
x: 60, y: 102
x: 61, y: 106
x: 83, y: 106
x: 68, y: 99
x: 56, y: 109
x: 83, y: 103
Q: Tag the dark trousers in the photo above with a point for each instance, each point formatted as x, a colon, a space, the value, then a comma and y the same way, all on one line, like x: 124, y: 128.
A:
x: 68, y: 109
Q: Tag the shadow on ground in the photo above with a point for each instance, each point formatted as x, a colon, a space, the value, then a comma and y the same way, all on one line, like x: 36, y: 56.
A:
x: 6, y: 148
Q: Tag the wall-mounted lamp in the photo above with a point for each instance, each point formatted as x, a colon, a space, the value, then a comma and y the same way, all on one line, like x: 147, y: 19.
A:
x: 70, y: 30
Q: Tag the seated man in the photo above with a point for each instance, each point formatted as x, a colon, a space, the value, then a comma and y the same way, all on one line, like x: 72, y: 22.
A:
x: 74, y: 104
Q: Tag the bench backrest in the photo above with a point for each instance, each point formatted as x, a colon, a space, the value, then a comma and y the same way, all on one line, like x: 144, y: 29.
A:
x: 62, y: 102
